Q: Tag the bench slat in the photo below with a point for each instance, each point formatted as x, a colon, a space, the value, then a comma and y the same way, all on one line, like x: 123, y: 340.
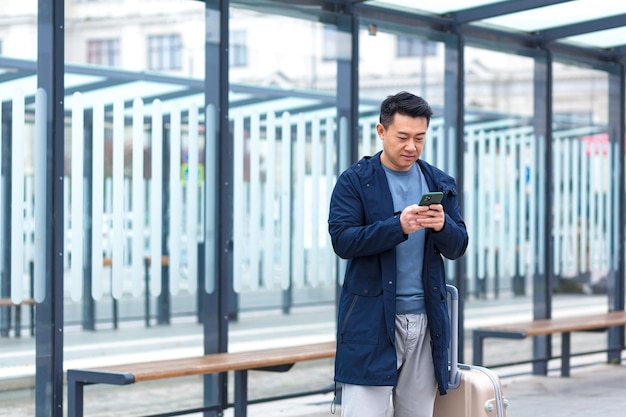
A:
x: 565, y: 324
x: 223, y: 362
x: 7, y: 302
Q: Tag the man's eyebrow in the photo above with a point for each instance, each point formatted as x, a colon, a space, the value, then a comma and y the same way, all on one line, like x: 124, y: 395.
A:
x: 402, y: 132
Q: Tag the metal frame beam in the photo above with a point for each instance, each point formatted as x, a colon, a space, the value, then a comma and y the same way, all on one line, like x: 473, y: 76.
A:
x: 501, y: 8
x: 581, y: 28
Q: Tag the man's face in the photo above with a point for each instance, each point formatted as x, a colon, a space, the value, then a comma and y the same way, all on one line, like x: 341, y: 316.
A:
x: 403, y: 141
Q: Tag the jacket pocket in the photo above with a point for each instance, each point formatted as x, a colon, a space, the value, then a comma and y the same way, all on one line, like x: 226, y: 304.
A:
x: 359, y: 318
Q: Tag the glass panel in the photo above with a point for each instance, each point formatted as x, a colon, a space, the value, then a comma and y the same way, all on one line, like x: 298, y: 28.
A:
x: 583, y: 164
x: 602, y: 39
x: 18, y: 39
x: 284, y: 161
x: 283, y: 123
x: 391, y: 62
x: 18, y: 246
x: 499, y: 160
x: 558, y: 15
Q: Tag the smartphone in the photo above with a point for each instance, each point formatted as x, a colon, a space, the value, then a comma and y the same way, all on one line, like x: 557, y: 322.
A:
x: 431, y: 198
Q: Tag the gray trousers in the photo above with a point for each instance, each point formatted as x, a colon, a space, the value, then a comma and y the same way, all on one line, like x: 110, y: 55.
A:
x: 414, y: 395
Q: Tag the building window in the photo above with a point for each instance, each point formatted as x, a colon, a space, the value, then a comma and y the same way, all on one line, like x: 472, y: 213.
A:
x: 238, y: 56
x: 104, y: 52
x: 165, y: 52
x: 411, y: 47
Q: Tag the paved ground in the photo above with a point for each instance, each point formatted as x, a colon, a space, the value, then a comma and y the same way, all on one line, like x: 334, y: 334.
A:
x: 593, y: 389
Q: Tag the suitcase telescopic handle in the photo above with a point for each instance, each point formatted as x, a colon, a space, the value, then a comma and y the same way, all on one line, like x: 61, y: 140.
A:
x: 454, y: 378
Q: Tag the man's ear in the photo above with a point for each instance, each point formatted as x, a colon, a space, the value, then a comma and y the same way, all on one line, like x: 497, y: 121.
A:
x: 380, y: 129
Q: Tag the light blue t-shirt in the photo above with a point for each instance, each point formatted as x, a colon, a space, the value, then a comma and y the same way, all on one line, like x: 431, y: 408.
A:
x: 406, y: 188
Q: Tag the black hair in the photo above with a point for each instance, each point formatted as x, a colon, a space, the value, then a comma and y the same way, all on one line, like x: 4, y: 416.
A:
x: 406, y: 104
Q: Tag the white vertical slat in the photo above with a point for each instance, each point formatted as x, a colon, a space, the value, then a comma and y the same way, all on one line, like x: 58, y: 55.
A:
x: 254, y: 214
x: 67, y: 207
x: 584, y: 206
x: 480, y: 211
x: 192, y: 201
x: 108, y: 215
x: 593, y: 219
x: 210, y: 183
x: 604, y: 210
x: 97, y: 201
x: 76, y: 198
x: 504, y: 268
x: 2, y: 219
x: 29, y: 221
x: 41, y: 187
x: 156, y: 198
x: 239, y: 201
x: 569, y: 232
x: 576, y: 205
x: 366, y: 138
x: 269, y: 202
x: 517, y: 171
x: 524, y: 181
x: 537, y: 185
x: 17, y: 198
x: 298, y: 228
x: 342, y: 164
x: 137, y: 198
x: 440, y: 155
x: 330, y: 181
x: 375, y: 142
x: 613, y: 208
x: 557, y: 227
x: 118, y: 200
x: 285, y: 202
x: 176, y: 204
x: 490, y: 199
x: 315, y: 197
x: 469, y: 206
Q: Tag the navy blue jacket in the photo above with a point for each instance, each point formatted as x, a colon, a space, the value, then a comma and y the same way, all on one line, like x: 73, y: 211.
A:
x: 365, y: 230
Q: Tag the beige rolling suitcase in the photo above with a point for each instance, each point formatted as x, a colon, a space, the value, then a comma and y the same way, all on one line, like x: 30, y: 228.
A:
x: 474, y: 391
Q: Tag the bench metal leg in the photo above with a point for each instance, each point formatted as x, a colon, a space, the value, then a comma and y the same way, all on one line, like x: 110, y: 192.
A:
x: 565, y: 353
x: 75, y: 390
x: 18, y: 321
x: 477, y: 348
x: 241, y: 393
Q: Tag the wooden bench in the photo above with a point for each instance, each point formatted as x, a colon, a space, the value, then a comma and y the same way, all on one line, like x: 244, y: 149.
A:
x: 542, y: 327
x: 7, y: 302
x: 276, y: 359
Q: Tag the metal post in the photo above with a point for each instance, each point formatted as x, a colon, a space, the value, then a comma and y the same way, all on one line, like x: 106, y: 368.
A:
x: 542, y: 276
x: 49, y: 270
x: 454, y: 128
x: 617, y: 288
x: 218, y: 208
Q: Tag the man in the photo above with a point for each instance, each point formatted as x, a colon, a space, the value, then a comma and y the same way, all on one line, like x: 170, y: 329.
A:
x: 393, y: 325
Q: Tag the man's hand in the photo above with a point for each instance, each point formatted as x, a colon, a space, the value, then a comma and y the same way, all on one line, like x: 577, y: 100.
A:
x: 414, y: 218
